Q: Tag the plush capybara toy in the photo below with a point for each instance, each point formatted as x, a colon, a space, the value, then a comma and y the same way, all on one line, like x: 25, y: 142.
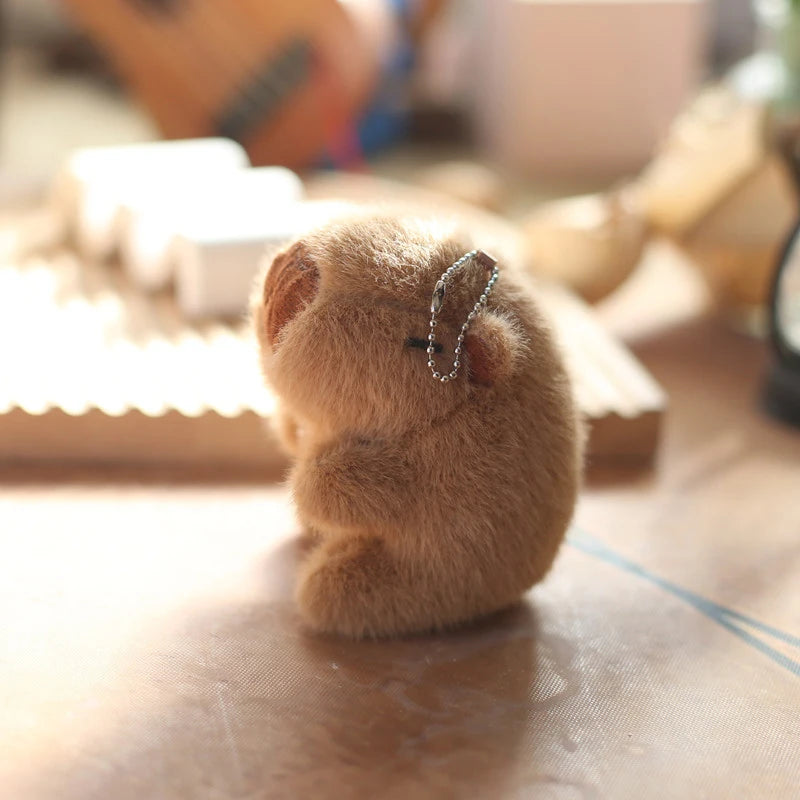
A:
x: 436, y: 441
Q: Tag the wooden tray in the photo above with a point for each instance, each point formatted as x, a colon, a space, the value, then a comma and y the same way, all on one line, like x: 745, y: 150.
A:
x: 94, y: 372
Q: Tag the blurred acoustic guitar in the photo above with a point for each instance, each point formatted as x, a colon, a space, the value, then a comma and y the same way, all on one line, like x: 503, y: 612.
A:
x: 285, y: 78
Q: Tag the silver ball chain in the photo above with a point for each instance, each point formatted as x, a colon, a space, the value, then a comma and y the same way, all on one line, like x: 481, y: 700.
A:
x: 437, y: 300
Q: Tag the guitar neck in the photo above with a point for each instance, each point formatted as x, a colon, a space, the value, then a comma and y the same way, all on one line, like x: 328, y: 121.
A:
x: 277, y: 76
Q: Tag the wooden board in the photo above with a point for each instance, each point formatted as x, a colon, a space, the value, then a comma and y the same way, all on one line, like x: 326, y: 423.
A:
x: 93, y: 371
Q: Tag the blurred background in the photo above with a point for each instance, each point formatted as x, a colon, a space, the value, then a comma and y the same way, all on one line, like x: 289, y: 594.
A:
x: 599, y: 140
x: 512, y: 79
x: 438, y: 70
x: 453, y: 71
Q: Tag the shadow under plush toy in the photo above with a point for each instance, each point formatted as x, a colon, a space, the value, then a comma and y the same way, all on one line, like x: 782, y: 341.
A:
x: 436, y: 440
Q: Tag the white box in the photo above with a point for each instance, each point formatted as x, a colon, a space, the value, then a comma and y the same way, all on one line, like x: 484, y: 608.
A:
x: 236, y: 200
x: 91, y: 187
x: 584, y: 88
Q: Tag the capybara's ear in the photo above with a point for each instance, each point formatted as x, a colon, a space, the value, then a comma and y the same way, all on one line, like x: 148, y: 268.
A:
x: 291, y: 284
x: 492, y: 345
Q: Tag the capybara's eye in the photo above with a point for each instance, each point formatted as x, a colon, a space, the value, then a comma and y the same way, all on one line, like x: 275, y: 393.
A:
x: 422, y: 344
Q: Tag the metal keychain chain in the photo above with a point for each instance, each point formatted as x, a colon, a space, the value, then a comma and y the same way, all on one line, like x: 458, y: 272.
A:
x: 437, y: 300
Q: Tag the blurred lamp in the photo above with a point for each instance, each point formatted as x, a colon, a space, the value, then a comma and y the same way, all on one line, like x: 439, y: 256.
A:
x: 783, y: 386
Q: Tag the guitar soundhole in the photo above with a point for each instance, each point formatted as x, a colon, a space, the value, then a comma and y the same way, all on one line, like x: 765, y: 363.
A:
x: 266, y: 89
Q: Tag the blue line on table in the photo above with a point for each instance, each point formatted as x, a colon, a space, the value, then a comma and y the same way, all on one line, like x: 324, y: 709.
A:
x: 720, y: 614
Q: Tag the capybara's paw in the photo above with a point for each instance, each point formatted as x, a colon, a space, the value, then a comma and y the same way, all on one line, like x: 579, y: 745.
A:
x: 347, y: 587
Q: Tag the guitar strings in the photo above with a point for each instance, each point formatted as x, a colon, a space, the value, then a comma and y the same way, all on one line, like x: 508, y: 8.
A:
x: 228, y: 61
x: 244, y: 45
x: 337, y: 121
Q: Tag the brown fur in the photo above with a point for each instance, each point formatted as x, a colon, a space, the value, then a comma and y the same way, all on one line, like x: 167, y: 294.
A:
x: 433, y: 503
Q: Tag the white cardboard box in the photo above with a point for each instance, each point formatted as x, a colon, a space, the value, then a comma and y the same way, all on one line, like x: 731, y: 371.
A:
x: 584, y: 88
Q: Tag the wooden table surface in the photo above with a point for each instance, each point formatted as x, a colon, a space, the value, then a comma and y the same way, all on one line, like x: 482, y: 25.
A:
x: 149, y: 647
